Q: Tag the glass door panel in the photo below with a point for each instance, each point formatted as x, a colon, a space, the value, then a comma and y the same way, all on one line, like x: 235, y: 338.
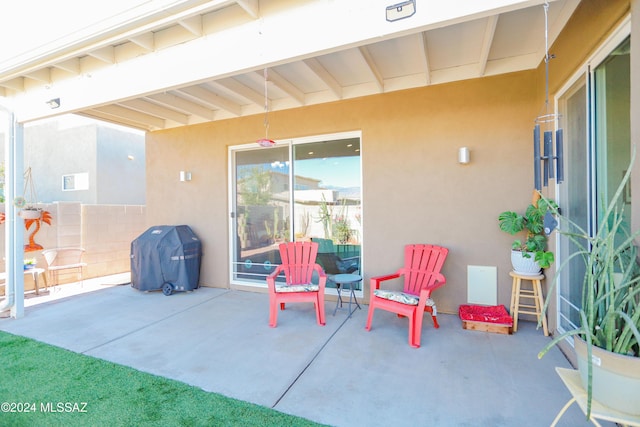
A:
x: 308, y: 189
x: 574, y: 196
x: 261, y: 212
x: 595, y: 162
x: 327, y: 195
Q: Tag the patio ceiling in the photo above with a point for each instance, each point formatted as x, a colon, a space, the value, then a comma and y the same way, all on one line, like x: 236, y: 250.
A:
x: 164, y: 64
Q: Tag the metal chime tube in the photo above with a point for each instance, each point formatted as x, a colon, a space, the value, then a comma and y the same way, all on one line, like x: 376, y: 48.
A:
x: 536, y: 157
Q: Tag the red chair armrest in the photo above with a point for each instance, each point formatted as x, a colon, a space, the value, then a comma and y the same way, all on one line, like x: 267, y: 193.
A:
x: 271, y: 278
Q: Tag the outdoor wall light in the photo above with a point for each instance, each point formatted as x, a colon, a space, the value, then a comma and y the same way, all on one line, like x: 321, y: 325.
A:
x: 53, y: 103
x: 402, y: 10
x: 464, y: 156
x: 185, y: 176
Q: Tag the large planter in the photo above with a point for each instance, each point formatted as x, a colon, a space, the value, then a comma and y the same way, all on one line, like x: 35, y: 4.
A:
x: 523, y: 265
x: 615, y: 377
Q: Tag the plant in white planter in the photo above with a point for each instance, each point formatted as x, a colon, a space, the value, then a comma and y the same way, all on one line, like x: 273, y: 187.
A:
x: 607, y: 339
x: 532, y: 251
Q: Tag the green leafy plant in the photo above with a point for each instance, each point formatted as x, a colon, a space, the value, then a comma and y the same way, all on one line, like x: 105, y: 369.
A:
x: 610, y: 305
x: 532, y: 223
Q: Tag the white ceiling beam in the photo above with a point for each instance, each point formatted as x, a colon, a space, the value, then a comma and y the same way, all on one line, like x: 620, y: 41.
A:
x: 425, y: 57
x: 71, y: 65
x: 489, y: 33
x: 122, y: 121
x: 192, y: 24
x: 106, y: 54
x: 156, y: 110
x: 42, y: 75
x: 146, y: 41
x: 201, y: 94
x: 16, y: 84
x: 252, y: 7
x: 252, y: 46
x: 366, y: 55
x: 185, y: 105
x: 133, y: 115
x: 316, y: 67
x: 284, y: 85
x: 242, y: 90
x: 148, y: 16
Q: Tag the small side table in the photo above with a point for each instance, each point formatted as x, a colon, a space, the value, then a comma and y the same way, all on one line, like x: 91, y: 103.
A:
x: 346, y: 279
x: 571, y: 380
x: 35, y: 273
x: 535, y: 294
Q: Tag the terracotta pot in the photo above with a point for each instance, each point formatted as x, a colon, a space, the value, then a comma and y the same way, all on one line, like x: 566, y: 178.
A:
x: 524, y: 266
x: 616, y: 378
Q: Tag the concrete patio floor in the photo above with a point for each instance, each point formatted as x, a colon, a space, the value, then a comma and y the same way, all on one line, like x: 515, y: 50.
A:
x: 339, y: 374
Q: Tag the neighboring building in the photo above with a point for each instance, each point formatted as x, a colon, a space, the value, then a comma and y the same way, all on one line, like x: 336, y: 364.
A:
x: 88, y: 162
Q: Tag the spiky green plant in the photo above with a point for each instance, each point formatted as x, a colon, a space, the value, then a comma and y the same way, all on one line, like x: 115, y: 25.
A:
x: 610, y: 305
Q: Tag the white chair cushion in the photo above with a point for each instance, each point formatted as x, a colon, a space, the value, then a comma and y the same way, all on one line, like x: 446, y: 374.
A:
x: 401, y: 297
x: 281, y: 287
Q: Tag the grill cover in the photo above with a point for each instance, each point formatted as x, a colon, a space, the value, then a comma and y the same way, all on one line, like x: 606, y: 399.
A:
x: 166, y: 254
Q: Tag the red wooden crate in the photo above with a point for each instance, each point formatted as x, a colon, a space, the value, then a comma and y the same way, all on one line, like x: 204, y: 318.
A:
x: 486, y: 318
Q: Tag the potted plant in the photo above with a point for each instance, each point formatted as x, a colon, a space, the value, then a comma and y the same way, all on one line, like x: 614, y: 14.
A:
x: 528, y: 256
x: 606, y: 341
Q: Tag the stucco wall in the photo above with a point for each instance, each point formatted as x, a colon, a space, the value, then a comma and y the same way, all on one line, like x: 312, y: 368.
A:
x: 414, y: 190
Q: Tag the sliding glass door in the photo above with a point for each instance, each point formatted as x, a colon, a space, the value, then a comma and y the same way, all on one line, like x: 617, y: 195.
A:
x: 306, y: 189
x: 596, y: 113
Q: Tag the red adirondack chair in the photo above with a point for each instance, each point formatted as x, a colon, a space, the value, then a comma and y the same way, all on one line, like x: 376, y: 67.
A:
x: 421, y: 271
x: 298, y: 265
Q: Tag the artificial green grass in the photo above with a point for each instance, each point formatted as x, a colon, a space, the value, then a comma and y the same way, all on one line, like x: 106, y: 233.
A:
x: 62, y: 388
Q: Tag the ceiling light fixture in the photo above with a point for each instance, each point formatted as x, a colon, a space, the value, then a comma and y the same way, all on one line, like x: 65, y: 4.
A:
x: 266, y: 142
x: 402, y: 10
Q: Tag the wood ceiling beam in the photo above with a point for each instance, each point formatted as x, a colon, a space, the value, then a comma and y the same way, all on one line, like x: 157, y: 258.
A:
x: 106, y: 54
x: 42, y: 75
x: 118, y: 110
x: 71, y: 65
x: 147, y: 107
x: 366, y: 55
x: 242, y: 90
x: 252, y: 7
x: 193, y: 25
x: 146, y: 41
x: 425, y: 57
x: 489, y: 34
x: 284, y: 85
x: 316, y: 67
x: 203, y: 95
x: 174, y: 101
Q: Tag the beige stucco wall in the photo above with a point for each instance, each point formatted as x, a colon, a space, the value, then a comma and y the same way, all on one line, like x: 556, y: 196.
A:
x: 414, y: 191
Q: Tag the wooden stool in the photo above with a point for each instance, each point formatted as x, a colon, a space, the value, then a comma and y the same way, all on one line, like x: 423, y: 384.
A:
x: 535, y: 293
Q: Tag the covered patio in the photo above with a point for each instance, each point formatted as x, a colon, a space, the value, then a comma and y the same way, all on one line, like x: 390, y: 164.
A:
x: 340, y: 374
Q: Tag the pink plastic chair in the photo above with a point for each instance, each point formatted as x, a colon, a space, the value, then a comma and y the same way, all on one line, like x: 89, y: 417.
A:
x: 421, y: 271
x: 298, y: 265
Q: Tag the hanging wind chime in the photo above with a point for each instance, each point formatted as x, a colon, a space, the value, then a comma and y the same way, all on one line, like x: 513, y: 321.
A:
x: 544, y: 124
x: 266, y: 142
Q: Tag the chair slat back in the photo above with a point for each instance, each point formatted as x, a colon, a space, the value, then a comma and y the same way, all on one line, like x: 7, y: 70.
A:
x: 420, y: 264
x: 298, y: 261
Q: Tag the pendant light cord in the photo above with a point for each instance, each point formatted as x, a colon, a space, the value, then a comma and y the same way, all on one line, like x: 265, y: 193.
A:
x: 266, y: 106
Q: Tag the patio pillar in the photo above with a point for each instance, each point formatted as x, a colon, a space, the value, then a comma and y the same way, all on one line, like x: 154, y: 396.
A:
x: 14, y: 225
